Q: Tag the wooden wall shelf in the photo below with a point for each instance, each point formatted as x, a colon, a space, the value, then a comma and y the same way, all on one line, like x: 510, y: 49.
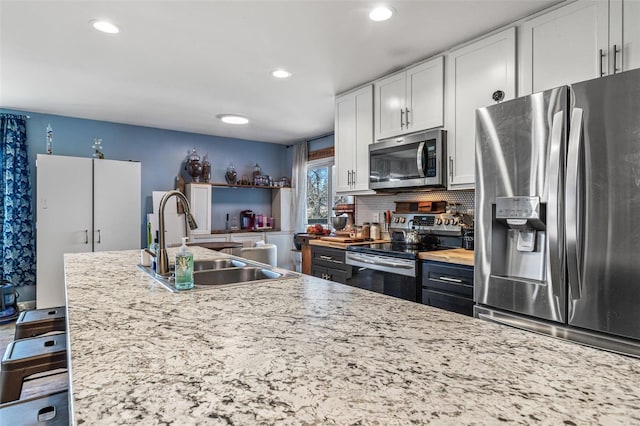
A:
x: 226, y: 185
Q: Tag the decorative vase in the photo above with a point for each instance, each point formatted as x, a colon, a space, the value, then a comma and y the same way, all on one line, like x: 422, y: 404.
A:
x: 231, y: 176
x: 206, y: 169
x: 193, y: 166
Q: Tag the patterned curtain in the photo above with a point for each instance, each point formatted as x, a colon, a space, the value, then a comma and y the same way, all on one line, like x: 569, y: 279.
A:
x: 17, y: 242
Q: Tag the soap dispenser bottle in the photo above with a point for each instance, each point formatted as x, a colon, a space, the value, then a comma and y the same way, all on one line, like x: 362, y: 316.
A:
x: 184, y: 267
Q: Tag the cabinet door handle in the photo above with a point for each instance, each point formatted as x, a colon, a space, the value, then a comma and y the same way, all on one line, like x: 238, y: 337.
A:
x: 451, y: 167
x: 453, y: 280
x: 406, y: 116
x: 401, y: 118
x: 615, y: 59
x: 99, y: 237
x: 602, y: 54
x: 86, y: 236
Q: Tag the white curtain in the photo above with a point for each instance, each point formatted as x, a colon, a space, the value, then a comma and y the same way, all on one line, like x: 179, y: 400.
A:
x: 299, y: 183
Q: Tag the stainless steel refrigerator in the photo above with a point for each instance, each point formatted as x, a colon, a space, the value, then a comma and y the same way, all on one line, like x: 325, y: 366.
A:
x: 557, y: 239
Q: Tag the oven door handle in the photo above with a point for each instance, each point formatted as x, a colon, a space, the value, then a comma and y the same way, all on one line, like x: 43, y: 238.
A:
x: 371, y: 262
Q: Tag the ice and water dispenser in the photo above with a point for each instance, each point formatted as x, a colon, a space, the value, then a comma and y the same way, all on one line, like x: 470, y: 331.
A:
x: 518, y: 239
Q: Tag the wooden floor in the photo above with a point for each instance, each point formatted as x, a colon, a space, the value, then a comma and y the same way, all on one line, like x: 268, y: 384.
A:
x: 38, y: 384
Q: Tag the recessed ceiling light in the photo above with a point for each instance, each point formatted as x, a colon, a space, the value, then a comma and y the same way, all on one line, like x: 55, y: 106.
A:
x: 381, y: 13
x: 105, y: 27
x: 281, y: 73
x: 233, y: 119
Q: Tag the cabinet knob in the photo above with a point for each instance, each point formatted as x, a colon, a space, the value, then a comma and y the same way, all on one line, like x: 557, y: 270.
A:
x: 498, y: 95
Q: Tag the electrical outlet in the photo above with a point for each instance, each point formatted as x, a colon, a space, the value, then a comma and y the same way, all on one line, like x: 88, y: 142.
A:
x: 376, y: 217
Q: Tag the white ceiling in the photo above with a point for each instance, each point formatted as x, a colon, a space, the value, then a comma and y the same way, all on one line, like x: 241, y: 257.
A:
x: 178, y: 64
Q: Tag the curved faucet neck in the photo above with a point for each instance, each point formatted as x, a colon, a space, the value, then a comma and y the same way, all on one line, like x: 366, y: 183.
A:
x: 162, y: 258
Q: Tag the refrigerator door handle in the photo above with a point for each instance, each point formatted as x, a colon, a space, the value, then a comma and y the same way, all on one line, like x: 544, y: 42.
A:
x: 555, y: 206
x: 571, y: 203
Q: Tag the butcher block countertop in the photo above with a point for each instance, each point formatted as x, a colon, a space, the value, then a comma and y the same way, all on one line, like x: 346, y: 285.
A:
x: 307, y: 351
x: 341, y: 245
x: 458, y: 256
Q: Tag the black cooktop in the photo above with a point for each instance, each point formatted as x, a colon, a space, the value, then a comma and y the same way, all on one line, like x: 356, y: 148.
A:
x: 395, y: 249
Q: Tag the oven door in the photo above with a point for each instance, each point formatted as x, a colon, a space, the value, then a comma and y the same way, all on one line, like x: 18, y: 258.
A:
x: 408, y: 161
x: 386, y: 275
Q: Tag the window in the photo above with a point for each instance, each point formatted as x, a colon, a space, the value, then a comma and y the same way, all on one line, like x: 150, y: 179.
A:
x: 319, y: 179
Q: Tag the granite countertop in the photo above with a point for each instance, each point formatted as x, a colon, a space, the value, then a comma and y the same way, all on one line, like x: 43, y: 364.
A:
x: 310, y: 351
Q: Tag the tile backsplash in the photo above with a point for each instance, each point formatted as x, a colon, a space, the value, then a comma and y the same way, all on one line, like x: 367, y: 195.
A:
x: 368, y: 205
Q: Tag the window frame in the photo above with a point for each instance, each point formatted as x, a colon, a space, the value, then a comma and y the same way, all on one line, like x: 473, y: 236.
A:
x: 329, y: 163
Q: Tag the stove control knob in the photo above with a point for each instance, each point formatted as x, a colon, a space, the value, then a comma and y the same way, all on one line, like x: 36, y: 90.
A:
x: 447, y: 221
x: 455, y: 221
x: 402, y: 219
x: 439, y: 221
x: 395, y: 219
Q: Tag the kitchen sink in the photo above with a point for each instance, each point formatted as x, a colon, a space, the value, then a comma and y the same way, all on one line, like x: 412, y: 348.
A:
x: 206, y: 265
x: 219, y: 277
x: 227, y: 272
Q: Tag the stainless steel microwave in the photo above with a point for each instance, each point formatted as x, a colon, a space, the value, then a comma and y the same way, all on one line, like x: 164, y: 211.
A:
x: 414, y: 161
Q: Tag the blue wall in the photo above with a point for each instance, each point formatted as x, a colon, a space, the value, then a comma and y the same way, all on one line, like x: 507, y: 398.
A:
x: 321, y: 142
x: 162, y: 153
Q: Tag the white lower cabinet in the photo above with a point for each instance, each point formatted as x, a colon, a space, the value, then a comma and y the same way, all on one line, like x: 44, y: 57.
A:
x: 475, y: 74
x: 82, y: 205
x: 284, y: 241
x: 247, y: 237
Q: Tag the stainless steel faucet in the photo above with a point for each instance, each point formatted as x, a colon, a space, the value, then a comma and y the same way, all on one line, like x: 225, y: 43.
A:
x: 162, y: 260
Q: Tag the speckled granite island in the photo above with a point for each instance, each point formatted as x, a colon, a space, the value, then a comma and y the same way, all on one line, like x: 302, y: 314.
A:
x: 309, y: 351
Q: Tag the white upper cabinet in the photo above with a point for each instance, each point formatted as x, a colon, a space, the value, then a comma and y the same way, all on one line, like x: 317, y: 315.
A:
x: 475, y: 73
x: 624, y: 35
x: 564, y: 46
x: 583, y: 40
x: 353, y: 135
x: 199, y: 196
x: 410, y: 101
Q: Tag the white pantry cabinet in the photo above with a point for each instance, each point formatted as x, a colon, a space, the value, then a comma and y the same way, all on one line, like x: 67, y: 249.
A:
x: 199, y: 196
x: 583, y: 40
x: 82, y: 205
x: 475, y: 73
x: 353, y: 135
x: 410, y: 100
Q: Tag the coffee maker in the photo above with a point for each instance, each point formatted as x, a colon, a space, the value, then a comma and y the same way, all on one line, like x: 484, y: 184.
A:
x: 247, y: 219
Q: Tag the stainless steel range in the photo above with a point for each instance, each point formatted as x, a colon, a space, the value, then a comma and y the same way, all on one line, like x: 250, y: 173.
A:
x: 393, y: 268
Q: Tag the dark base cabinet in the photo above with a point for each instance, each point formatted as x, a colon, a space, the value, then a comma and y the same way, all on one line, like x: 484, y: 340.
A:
x: 448, y: 286
x: 329, y: 264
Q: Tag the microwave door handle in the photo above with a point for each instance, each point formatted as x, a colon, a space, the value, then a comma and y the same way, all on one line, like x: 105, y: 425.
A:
x: 420, y: 159
x: 571, y: 203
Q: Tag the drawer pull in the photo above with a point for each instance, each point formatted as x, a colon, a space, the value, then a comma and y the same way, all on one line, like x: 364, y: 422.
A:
x: 453, y: 280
